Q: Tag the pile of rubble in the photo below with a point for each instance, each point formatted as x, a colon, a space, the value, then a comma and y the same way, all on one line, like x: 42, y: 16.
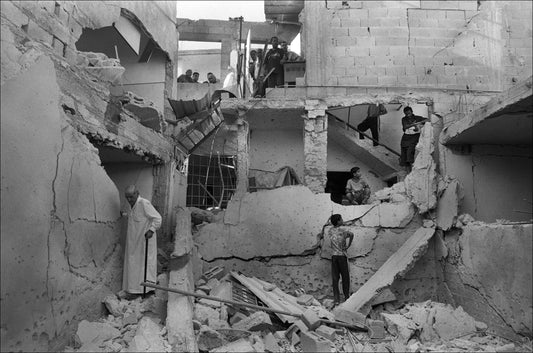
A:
x: 256, y: 316
x: 132, y: 326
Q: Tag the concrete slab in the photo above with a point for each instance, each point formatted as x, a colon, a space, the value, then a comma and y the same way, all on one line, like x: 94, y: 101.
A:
x: 396, y: 266
x: 448, y: 206
x: 421, y: 182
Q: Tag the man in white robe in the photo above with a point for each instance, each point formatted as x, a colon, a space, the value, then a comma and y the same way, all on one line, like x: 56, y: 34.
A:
x: 143, y: 221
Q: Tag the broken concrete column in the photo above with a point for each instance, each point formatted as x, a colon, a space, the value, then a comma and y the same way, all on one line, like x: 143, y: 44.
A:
x: 180, y: 308
x: 448, y: 206
x: 421, y: 183
x: 243, y: 158
x: 315, y: 146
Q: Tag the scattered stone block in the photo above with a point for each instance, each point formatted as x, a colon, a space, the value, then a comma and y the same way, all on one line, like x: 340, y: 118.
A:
x: 202, y: 313
x: 279, y: 335
x: 238, y: 316
x: 113, y: 305
x: 377, y: 328
x: 231, y: 334
x: 269, y: 287
x: 295, y: 329
x: 399, y: 326
x: 481, y: 326
x: 311, y: 342
x: 258, y: 321
x: 349, y: 317
x: 510, y: 347
x: 384, y: 296
x: 241, y: 345
x: 310, y: 319
x: 223, y: 291
x: 209, y: 339
x: 449, y: 323
x: 148, y: 337
x: 213, y: 283
x: 271, y: 343
x: 328, y: 303
x: 305, y: 299
x: 129, y: 319
x: 94, y: 332
x: 217, y: 323
x: 326, y: 332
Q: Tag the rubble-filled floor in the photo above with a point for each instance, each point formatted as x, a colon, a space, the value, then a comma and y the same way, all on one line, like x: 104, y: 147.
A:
x: 138, y: 325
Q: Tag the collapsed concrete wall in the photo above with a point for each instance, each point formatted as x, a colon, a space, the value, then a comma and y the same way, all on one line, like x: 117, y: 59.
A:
x: 60, y: 217
x: 61, y: 224
x: 487, y: 270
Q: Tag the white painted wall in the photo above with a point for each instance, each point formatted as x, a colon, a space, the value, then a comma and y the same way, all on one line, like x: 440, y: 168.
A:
x: 496, y: 181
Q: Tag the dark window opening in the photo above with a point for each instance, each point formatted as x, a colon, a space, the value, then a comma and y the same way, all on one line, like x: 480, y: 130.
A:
x: 211, y: 181
x: 335, y: 185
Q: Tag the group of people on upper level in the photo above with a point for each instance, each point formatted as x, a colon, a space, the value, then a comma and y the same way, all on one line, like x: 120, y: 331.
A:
x: 192, y: 77
x: 267, y: 70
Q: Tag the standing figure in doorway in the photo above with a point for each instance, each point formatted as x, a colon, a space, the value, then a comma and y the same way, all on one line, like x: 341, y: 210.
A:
x: 372, y: 121
x: 339, y: 257
x: 143, y: 221
x: 357, y: 189
x: 411, y: 134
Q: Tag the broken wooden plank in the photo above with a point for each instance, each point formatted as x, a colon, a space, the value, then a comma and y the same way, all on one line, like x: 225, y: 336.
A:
x: 396, y: 266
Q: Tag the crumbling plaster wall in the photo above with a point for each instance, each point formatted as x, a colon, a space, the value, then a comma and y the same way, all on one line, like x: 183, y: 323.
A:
x: 60, y: 217
x: 487, y: 270
x: 495, y: 180
x: 61, y: 223
x: 272, y: 234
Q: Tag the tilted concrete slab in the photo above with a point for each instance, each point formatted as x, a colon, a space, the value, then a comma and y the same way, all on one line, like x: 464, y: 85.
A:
x: 505, y: 119
x: 396, y: 266
x: 378, y: 159
x: 448, y: 206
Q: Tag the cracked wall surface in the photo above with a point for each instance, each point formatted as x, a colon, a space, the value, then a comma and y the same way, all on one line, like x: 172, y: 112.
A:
x: 60, y: 217
x: 488, y: 272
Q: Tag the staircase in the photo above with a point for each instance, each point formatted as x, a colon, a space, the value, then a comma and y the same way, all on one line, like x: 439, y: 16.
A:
x: 380, y: 159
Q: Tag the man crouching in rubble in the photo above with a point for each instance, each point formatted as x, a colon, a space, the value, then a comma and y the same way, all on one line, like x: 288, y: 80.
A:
x: 339, y: 257
x: 143, y: 221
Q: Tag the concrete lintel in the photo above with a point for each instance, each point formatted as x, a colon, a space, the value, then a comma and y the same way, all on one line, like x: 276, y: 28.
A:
x: 217, y: 30
x: 505, y: 103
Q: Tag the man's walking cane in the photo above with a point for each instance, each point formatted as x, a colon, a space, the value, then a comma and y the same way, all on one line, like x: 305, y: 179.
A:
x: 145, y: 266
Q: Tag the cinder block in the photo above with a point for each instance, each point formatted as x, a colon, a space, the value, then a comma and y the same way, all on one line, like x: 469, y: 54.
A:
x: 349, y: 317
x: 395, y: 70
x: 375, y: 70
x: 391, y: 41
x: 377, y: 12
x: 310, y: 319
x: 379, y: 31
x: 365, y: 42
x: 399, y: 51
x: 388, y: 80
x: 354, y: 72
x: 326, y: 332
x: 416, y: 14
x: 344, y: 41
x: 367, y: 80
x: 468, y: 5
x: 358, y: 13
x: 347, y: 80
x: 379, y: 51
x: 357, y: 52
x: 350, y: 22
x: 377, y: 328
x: 404, y: 61
x: 311, y: 342
x: 338, y: 31
x: 305, y: 299
x: 296, y: 328
x: 455, y: 14
x: 258, y: 321
x: 382, y: 60
x: 238, y: 316
x: 358, y: 31
x: 344, y: 61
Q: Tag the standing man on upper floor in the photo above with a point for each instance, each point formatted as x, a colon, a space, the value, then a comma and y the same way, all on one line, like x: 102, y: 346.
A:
x: 273, y: 61
x: 143, y: 221
x: 411, y: 134
x: 372, y: 121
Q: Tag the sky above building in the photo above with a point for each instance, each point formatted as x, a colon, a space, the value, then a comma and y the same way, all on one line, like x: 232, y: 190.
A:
x: 218, y: 10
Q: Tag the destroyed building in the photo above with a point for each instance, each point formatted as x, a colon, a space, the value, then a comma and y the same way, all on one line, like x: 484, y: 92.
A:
x: 90, y: 104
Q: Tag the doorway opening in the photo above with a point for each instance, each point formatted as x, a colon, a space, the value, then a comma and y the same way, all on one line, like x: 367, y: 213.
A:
x: 335, y: 185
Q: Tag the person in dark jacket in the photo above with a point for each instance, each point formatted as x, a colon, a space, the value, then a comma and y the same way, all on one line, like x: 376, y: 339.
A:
x: 411, y: 125
x: 372, y: 121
